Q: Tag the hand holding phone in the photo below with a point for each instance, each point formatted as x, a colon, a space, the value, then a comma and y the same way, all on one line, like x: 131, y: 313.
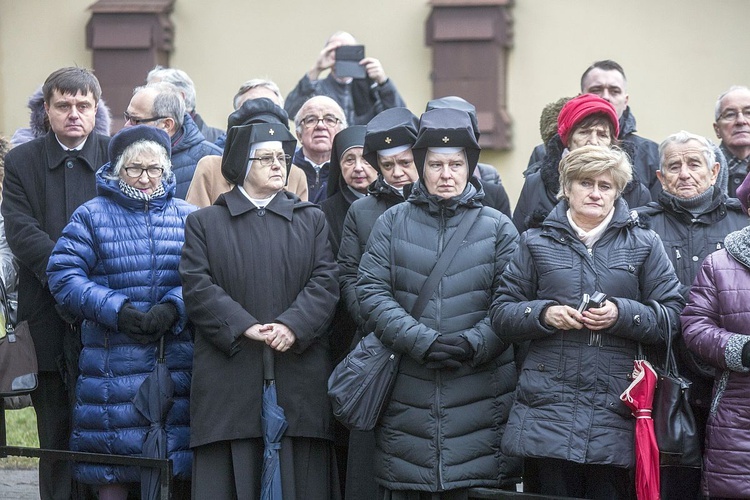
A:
x: 347, y: 61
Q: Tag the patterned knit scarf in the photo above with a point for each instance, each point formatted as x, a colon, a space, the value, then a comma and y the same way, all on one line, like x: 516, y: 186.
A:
x: 137, y: 194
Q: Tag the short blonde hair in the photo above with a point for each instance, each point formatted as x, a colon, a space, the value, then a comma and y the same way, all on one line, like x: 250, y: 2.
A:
x: 589, y: 161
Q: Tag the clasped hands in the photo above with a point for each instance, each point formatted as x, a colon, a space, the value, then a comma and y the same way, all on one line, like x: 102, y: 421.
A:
x: 276, y: 335
x: 448, y: 351
x: 566, y: 318
x: 146, y: 327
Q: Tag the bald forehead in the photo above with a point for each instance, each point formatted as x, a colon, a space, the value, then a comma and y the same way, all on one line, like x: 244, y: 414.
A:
x: 258, y: 92
x: 739, y: 97
x: 322, y: 106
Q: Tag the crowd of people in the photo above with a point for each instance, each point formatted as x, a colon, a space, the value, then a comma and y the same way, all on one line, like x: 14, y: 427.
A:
x: 258, y: 256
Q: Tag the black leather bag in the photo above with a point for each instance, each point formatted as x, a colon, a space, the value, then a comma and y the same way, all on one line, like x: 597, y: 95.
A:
x: 674, y: 423
x: 18, y: 364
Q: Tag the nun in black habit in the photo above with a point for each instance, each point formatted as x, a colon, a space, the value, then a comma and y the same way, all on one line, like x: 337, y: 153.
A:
x: 258, y: 272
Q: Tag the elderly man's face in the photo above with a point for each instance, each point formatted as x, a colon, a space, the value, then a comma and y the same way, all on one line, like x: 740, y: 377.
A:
x: 609, y: 85
x: 141, y: 111
x: 317, y: 138
x: 445, y: 175
x: 685, y: 172
x: 733, y: 125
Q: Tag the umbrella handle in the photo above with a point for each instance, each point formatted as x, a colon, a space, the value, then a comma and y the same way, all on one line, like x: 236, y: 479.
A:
x: 268, y: 363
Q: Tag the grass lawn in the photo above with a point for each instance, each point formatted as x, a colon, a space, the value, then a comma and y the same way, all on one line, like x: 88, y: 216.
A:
x: 21, y: 431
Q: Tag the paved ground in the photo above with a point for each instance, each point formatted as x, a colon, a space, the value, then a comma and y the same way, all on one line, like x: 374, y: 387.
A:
x: 18, y: 485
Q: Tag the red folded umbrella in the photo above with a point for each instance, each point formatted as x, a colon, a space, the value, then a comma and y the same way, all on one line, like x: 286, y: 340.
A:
x: 639, y: 397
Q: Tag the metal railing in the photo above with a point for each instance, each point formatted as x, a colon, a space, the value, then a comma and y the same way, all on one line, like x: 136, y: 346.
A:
x: 163, y: 464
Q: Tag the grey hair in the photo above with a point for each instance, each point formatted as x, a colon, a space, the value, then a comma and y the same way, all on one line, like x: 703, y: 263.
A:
x: 255, y: 83
x: 179, y: 79
x: 683, y: 137
x: 167, y: 102
x: 590, y: 161
x: 717, y: 108
x: 303, y: 110
x: 136, y: 149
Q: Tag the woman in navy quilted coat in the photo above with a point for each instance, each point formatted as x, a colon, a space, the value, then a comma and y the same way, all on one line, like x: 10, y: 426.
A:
x: 115, y: 266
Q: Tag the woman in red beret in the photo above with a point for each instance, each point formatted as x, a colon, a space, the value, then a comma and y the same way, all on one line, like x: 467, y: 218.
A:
x: 584, y: 120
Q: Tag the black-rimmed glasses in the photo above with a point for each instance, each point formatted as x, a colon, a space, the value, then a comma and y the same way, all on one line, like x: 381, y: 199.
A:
x: 312, y: 121
x: 137, y: 121
x: 136, y: 172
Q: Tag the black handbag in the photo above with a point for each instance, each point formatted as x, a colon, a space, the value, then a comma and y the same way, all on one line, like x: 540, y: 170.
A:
x: 360, y: 385
x: 674, y: 423
x: 18, y: 363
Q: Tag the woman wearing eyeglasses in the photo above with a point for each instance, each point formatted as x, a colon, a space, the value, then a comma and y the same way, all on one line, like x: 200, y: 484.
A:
x: 116, y: 266
x: 260, y: 287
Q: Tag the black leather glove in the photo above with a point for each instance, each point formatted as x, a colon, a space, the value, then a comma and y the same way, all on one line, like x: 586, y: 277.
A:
x: 129, y: 320
x: 448, y: 352
x: 159, y: 319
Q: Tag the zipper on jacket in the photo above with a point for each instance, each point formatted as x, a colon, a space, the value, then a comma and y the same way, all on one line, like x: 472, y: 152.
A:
x: 438, y: 428
x: 677, y: 254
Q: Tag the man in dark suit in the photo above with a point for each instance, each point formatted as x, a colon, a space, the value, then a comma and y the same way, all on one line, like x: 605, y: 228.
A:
x: 46, y: 179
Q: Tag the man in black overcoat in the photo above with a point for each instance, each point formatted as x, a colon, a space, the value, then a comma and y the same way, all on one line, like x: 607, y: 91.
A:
x: 45, y: 181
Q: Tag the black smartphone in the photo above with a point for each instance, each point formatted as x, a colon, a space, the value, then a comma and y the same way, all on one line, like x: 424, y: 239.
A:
x: 347, y: 61
x: 594, y: 301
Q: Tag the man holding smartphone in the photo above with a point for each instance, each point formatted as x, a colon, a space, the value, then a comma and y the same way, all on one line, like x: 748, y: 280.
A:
x: 361, y: 96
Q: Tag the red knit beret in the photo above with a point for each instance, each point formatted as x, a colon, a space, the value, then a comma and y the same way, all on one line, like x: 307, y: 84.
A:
x: 743, y: 192
x: 579, y: 108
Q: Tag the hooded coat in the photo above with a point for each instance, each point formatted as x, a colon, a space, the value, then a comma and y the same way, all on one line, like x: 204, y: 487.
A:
x: 539, y: 192
x: 568, y: 398
x: 117, y: 249
x: 441, y: 429
x: 715, y: 325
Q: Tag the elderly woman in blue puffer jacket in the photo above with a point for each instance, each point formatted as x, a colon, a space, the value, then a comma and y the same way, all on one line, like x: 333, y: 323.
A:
x: 115, y: 266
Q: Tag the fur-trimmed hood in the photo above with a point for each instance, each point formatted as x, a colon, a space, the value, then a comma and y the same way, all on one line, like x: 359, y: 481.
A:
x: 38, y: 125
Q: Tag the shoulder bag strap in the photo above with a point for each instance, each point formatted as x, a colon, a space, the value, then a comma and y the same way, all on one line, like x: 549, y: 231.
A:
x: 9, y: 328
x: 445, y: 259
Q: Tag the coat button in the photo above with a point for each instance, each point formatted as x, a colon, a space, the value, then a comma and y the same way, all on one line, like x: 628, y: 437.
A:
x: 637, y: 319
x: 527, y: 311
x: 695, y: 258
x: 540, y: 367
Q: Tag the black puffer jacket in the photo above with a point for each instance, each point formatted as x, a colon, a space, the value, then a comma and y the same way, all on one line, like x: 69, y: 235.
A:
x: 539, y: 192
x: 358, y: 225
x: 688, y: 240
x: 442, y: 428
x: 568, y: 404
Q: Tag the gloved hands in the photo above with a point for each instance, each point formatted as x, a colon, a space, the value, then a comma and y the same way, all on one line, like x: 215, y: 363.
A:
x: 146, y: 327
x: 448, y: 351
x: 129, y: 320
x: 159, y: 319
